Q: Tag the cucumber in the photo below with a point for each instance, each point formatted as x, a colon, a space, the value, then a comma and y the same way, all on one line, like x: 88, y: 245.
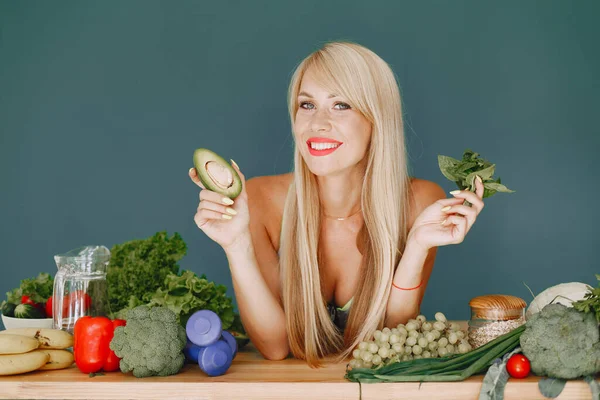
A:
x: 28, y: 311
x: 7, y: 309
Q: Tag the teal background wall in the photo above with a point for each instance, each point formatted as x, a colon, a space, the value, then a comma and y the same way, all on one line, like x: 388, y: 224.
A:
x: 102, y: 104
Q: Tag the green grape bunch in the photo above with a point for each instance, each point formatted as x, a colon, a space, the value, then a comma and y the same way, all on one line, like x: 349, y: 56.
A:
x: 416, y: 339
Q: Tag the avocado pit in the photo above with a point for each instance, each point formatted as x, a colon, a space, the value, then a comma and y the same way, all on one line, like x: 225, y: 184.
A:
x: 221, y: 176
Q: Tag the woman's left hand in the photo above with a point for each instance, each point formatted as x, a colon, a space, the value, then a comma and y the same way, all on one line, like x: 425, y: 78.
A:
x: 447, y: 221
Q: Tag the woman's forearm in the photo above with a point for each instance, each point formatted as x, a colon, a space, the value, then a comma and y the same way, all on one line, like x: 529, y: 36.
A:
x: 405, y: 304
x: 261, y: 313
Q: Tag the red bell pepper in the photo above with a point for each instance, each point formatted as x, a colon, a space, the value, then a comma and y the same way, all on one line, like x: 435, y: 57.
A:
x: 112, y: 361
x: 92, y: 336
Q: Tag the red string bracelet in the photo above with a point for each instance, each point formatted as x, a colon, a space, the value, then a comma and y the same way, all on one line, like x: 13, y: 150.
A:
x: 412, y: 288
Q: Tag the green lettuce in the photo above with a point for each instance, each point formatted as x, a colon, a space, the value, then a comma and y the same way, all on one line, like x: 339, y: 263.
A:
x: 138, y: 267
x: 188, y: 293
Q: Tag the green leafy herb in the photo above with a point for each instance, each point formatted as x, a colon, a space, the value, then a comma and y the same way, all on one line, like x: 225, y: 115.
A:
x: 464, y: 172
x: 39, y: 289
x: 145, y: 272
x: 551, y: 387
x: 138, y: 267
x: 591, y: 302
x: 188, y: 293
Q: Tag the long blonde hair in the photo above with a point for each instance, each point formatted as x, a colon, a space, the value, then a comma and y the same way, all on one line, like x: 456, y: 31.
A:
x: 368, y: 83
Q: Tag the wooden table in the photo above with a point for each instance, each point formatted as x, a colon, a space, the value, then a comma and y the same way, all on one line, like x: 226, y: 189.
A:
x: 252, y: 377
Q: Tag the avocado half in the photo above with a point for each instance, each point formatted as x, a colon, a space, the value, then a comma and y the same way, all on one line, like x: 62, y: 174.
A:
x: 241, y: 338
x: 216, y: 174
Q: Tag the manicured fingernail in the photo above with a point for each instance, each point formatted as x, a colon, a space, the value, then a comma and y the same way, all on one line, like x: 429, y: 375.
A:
x: 227, y: 201
x: 231, y: 211
x: 225, y: 216
x: 234, y: 163
x: 455, y: 192
x: 446, y: 208
x: 479, y: 178
x: 444, y: 222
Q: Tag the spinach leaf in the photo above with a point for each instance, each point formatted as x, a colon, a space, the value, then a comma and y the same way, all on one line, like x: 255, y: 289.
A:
x: 448, y: 166
x: 464, y: 172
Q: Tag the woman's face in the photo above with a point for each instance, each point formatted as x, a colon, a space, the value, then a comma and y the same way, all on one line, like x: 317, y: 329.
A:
x: 332, y: 137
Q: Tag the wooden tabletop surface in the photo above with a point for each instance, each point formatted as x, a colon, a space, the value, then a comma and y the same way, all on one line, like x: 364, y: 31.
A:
x: 253, y: 377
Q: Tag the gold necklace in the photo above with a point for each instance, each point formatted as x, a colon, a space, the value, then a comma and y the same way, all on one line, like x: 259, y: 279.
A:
x: 343, y: 218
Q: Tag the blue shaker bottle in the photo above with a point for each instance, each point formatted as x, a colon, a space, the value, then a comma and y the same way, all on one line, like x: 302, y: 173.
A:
x: 215, y: 359
x: 203, y: 328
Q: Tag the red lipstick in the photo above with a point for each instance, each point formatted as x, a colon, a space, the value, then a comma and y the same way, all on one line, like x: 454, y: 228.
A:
x: 322, y: 152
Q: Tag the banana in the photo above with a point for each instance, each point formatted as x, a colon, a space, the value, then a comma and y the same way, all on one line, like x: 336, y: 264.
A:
x: 17, y: 344
x: 48, y: 338
x: 58, y: 359
x: 20, y: 363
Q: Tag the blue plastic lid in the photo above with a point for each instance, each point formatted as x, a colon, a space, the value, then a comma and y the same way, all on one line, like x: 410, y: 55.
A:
x: 228, y: 337
x: 203, y: 328
x: 215, y: 359
x: 191, y: 351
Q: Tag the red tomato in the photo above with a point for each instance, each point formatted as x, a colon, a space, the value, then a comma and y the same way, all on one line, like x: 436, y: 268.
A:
x: 49, y: 307
x: 81, y: 300
x: 79, y: 297
x: 518, y: 366
x: 27, y: 300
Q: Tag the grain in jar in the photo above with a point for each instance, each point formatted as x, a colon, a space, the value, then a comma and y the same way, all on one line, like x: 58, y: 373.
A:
x: 493, y: 316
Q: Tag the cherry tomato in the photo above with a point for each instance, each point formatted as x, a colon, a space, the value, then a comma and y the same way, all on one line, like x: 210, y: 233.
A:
x: 518, y: 366
x: 27, y: 300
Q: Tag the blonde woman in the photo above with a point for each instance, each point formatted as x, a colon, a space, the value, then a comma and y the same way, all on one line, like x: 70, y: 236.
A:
x: 345, y: 244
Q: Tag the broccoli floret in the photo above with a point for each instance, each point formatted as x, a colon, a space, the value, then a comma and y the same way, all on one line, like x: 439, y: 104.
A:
x: 151, y: 343
x: 561, y: 342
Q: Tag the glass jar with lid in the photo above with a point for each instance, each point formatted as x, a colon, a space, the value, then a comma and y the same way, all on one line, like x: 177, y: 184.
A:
x: 493, y: 316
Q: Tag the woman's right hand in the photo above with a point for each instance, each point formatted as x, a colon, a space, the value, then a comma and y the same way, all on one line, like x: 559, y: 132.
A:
x: 223, y: 220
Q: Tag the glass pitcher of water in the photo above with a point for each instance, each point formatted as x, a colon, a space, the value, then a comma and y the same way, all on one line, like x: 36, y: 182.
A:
x: 80, y: 286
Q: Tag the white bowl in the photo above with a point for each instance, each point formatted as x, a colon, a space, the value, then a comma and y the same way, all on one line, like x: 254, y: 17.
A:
x: 12, y: 323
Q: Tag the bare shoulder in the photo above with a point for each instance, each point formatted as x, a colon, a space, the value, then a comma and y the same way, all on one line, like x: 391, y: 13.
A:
x: 266, y: 200
x: 267, y: 190
x: 424, y: 193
